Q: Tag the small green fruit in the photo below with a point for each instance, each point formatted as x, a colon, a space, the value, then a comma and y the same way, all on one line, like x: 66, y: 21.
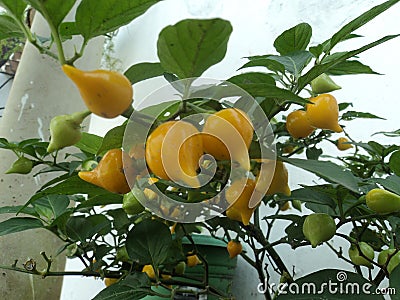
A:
x: 131, y: 205
x: 323, y: 84
x: 22, y: 165
x: 394, y: 260
x: 359, y: 260
x: 65, y: 130
x: 89, y: 165
x: 382, y: 201
x: 180, y: 268
x: 319, y: 228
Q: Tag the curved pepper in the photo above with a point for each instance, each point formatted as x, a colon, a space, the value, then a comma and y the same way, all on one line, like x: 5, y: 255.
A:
x: 165, y: 161
x: 323, y: 112
x: 228, y: 134
x: 105, y: 93
x: 382, y: 201
x: 110, y: 172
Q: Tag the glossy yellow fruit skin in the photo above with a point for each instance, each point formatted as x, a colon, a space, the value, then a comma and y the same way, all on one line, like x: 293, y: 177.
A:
x: 149, y: 270
x: 279, y: 183
x: 342, y: 145
x: 382, y: 201
x: 168, y: 163
x: 323, y: 112
x: 192, y: 260
x: 110, y: 281
x: 110, y: 172
x: 319, y: 228
x: 238, y: 196
x: 298, y: 125
x: 357, y: 258
x: 238, y: 136
x: 234, y: 248
x: 105, y: 93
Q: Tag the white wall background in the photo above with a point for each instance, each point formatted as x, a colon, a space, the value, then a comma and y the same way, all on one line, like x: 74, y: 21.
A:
x: 256, y: 23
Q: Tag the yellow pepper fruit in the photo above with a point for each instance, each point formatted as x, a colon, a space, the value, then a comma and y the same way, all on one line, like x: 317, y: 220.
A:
x: 298, y: 125
x: 105, y: 93
x: 342, y: 144
x: 192, y: 260
x: 167, y: 163
x: 234, y: 248
x: 110, y: 281
x: 279, y: 182
x: 110, y: 172
x: 233, y: 127
x: 238, y: 196
x: 323, y: 112
x: 149, y: 270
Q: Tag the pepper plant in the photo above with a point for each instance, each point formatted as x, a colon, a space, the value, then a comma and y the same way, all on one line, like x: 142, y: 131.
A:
x: 108, y: 199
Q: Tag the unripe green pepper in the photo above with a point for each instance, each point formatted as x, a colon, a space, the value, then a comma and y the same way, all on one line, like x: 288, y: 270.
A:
x: 131, y: 205
x: 323, y: 84
x: 358, y: 259
x: 382, y: 201
x: 65, y: 130
x: 319, y: 228
x: 22, y: 165
x: 180, y: 268
x: 394, y: 260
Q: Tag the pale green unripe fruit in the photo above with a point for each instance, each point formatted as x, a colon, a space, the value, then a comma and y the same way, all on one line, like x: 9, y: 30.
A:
x: 382, y: 201
x: 319, y: 228
x: 394, y: 260
x: 65, y: 130
x: 323, y: 84
x: 359, y: 260
x: 22, y: 165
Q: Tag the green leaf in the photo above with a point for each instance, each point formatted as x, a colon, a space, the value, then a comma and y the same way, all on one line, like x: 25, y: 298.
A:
x: 121, y: 220
x: 394, y: 133
x: 68, y: 30
x: 294, y: 62
x: 350, y: 67
x: 323, y: 68
x: 100, y: 225
x: 13, y: 225
x: 9, y: 28
x: 18, y: 209
x: 271, y: 91
x: 348, y: 285
x: 134, y: 287
x: 54, y: 11
x: 97, y: 17
x: 143, y: 71
x: 328, y: 171
x: 112, y: 139
x: 359, y: 21
x: 100, y: 200
x: 51, y: 206
x: 311, y: 196
x: 191, y: 46
x: 148, y: 242
x: 294, y: 39
x: 252, y: 77
x: 14, y: 7
x: 89, y: 143
x: 351, y: 115
x: 264, y: 61
x: 394, y: 283
x: 394, y: 162
x: 313, y: 153
x: 78, y: 228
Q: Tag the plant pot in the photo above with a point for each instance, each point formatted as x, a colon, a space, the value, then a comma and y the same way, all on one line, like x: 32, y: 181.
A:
x: 221, y: 268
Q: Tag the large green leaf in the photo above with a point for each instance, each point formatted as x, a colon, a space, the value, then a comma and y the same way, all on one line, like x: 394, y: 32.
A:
x: 51, y: 206
x: 350, y: 67
x: 315, y: 200
x: 80, y: 228
x: 294, y: 39
x: 143, y: 71
x: 14, y: 7
x: 13, y: 225
x: 191, y: 46
x: 89, y: 143
x: 330, y: 284
x: 293, y: 62
x: 112, y: 139
x: 394, y: 284
x: 148, y: 242
x: 18, y: 209
x: 394, y: 162
x: 54, y: 11
x: 391, y: 183
x: 134, y: 287
x: 319, y: 69
x: 329, y: 171
x: 359, y: 21
x: 264, y: 61
x: 252, y: 77
x: 97, y: 17
x: 9, y: 27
